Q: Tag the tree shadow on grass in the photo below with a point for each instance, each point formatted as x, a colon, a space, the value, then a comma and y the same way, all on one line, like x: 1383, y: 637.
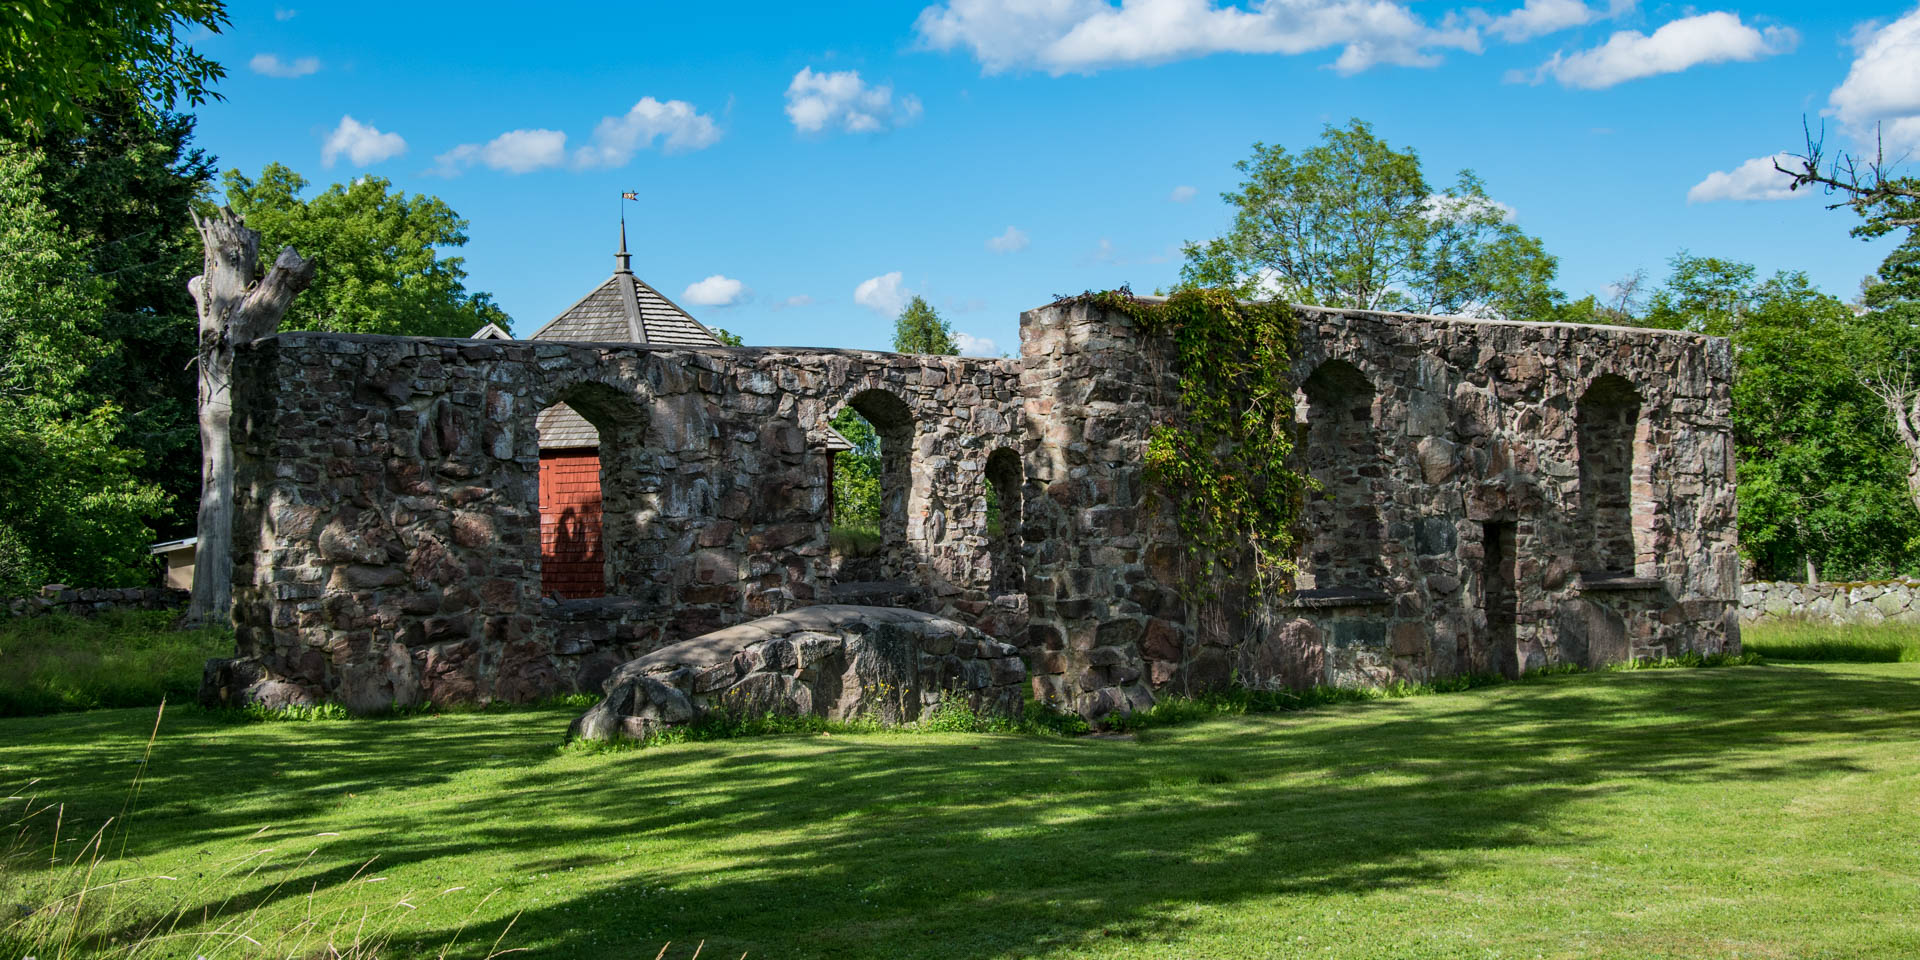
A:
x: 986, y: 847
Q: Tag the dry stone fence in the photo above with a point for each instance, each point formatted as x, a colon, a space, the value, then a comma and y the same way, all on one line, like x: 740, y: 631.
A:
x: 1491, y: 496
x: 1867, y: 602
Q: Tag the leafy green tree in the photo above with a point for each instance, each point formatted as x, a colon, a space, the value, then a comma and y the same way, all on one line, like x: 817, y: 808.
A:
x: 856, y: 473
x: 727, y: 337
x: 381, y: 268
x: 1821, y: 474
x: 920, y: 330
x: 74, y: 508
x: 1352, y: 222
x: 121, y: 182
x: 58, y: 56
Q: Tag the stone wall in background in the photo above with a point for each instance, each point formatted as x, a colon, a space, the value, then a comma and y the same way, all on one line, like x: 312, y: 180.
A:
x: 1864, y: 603
x: 87, y: 601
x: 1455, y: 540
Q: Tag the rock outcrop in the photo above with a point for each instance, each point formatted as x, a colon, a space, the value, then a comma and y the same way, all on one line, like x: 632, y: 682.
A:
x: 837, y: 661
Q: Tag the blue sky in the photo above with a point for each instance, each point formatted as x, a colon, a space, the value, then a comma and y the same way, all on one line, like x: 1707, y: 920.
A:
x: 802, y: 167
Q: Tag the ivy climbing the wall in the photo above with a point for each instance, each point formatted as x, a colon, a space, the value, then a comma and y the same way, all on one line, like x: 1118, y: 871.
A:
x: 1227, y: 460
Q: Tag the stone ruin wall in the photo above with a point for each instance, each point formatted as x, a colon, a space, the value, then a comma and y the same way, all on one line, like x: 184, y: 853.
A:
x: 387, y: 540
x: 1460, y: 430
x: 1838, y: 602
x: 387, y: 546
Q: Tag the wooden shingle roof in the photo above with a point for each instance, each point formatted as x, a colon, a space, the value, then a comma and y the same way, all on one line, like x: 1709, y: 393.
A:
x: 622, y: 309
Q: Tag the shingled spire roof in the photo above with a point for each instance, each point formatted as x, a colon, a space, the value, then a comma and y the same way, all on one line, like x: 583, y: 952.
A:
x: 623, y: 309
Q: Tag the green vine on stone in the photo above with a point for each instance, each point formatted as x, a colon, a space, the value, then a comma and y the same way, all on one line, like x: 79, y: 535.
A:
x: 1226, y: 460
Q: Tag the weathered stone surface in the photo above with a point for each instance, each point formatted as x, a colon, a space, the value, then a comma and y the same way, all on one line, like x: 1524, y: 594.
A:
x: 1431, y: 439
x: 1832, y: 602
x: 1491, y: 496
x: 87, y: 601
x: 834, y: 660
x: 388, y: 492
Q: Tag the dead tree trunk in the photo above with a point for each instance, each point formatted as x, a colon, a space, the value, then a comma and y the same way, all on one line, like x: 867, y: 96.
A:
x: 1896, y: 389
x: 235, y: 309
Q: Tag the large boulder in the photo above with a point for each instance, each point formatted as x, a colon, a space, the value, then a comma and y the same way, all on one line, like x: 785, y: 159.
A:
x: 837, y: 661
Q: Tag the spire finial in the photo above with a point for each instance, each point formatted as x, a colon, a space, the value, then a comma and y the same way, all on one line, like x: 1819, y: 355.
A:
x: 623, y: 261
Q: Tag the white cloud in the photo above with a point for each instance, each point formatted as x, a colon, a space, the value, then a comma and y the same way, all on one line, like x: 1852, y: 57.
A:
x: 1754, y: 180
x: 1883, y: 85
x: 516, y: 151
x: 616, y: 139
x: 797, y: 300
x: 362, y: 143
x: 1631, y: 55
x: 884, y: 294
x: 816, y: 101
x: 1012, y: 241
x: 1082, y: 36
x: 1540, y: 17
x: 715, y: 291
x: 271, y: 65
x: 972, y: 346
x: 1439, y: 206
x: 1182, y: 194
x: 283, y: 14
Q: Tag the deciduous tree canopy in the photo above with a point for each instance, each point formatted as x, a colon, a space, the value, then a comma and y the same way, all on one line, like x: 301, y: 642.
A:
x: 1352, y: 222
x: 382, y: 264
x: 59, y: 56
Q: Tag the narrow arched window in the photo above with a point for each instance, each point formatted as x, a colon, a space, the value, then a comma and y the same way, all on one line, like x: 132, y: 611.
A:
x: 1342, y: 521
x: 579, y: 436
x: 1609, y: 426
x: 1004, y: 518
x: 873, y: 481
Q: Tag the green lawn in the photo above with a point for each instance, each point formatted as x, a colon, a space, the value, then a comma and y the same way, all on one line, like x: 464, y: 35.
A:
x: 1762, y: 811
x: 122, y: 658
x: 1844, y: 642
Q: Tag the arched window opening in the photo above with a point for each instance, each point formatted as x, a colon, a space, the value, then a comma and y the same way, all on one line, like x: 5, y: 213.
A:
x: 1343, y: 524
x: 578, y: 436
x: 1609, y: 427
x: 871, y: 482
x: 1004, y: 519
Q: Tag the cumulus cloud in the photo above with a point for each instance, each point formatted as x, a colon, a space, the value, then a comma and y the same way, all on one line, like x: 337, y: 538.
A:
x: 884, y: 294
x: 1690, y: 42
x: 616, y: 139
x: 1754, y: 180
x: 715, y: 291
x: 283, y: 14
x: 676, y: 124
x: 361, y: 143
x: 818, y: 101
x: 797, y: 300
x: 1083, y: 36
x: 271, y: 65
x: 1013, y: 240
x: 972, y: 346
x: 1540, y: 17
x: 1883, y: 84
x: 1182, y: 194
x: 516, y: 151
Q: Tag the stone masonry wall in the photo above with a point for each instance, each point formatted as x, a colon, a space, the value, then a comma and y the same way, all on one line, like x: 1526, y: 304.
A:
x: 1863, y: 603
x: 387, y: 538
x: 1473, y: 492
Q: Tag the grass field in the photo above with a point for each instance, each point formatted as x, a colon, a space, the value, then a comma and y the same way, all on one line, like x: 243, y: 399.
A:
x: 1762, y: 811
x: 1825, y: 642
x: 122, y: 658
